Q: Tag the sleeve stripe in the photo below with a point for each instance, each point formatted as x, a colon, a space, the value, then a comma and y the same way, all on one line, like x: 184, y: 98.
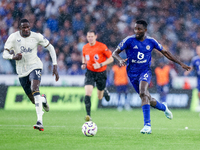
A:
x: 47, y: 45
x: 7, y: 49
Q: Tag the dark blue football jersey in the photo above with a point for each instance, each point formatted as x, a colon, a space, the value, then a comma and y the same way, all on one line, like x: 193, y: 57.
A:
x: 195, y: 63
x: 138, y: 53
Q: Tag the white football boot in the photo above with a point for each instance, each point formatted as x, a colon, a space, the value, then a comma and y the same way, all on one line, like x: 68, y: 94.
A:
x: 168, y: 113
x: 45, y: 105
x: 146, y: 129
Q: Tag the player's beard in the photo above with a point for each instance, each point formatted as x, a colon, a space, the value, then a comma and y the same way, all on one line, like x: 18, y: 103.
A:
x: 140, y: 37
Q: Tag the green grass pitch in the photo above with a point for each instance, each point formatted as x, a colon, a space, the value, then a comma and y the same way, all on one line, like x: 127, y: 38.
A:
x: 116, y: 131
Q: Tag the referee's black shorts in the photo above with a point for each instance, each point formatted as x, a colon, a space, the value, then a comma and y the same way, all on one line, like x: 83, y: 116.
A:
x: 96, y: 77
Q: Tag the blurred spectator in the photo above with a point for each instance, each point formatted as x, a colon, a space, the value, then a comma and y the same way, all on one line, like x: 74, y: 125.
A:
x: 51, y: 9
x: 41, y: 54
x: 75, y: 70
x: 5, y: 66
x: 52, y: 23
x: 163, y: 79
x: 121, y: 84
x: 13, y: 28
x: 62, y: 70
x: 175, y: 21
x: 77, y: 23
x: 47, y: 65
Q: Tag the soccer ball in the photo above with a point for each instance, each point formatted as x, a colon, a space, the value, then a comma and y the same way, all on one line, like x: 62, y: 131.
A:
x: 89, y: 128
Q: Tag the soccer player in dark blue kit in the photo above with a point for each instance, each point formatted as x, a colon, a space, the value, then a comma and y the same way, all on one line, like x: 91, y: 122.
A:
x: 195, y: 65
x: 138, y: 48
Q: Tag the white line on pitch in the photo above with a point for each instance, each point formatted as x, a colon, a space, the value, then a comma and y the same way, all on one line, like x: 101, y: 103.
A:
x: 118, y: 128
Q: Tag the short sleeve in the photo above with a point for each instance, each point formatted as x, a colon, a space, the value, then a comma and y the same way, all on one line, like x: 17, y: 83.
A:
x: 124, y: 44
x: 42, y: 40
x: 157, y: 45
x: 10, y: 42
x: 106, y: 51
x: 83, y: 51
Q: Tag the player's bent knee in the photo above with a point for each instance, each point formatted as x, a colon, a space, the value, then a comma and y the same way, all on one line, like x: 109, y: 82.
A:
x: 143, y: 94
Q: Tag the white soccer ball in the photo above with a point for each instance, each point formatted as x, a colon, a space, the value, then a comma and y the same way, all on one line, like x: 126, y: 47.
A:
x: 89, y: 128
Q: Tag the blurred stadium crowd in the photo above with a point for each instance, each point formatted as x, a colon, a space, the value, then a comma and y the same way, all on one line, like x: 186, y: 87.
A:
x: 175, y: 24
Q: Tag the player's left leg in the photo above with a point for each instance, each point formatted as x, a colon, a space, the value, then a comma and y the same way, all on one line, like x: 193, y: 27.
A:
x: 35, y: 78
x: 26, y: 85
x: 100, y: 79
x: 143, y: 92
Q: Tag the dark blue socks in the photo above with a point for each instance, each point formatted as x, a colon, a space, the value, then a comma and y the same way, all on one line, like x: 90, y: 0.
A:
x: 160, y: 106
x: 146, y: 114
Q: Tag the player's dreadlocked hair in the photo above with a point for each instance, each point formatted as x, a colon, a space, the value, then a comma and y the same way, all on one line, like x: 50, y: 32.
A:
x: 144, y: 23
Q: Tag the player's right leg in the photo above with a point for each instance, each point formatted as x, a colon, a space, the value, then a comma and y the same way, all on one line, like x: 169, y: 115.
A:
x: 161, y: 106
x: 143, y: 92
x: 88, y: 93
x: 45, y: 104
x: 89, y: 85
x: 106, y: 94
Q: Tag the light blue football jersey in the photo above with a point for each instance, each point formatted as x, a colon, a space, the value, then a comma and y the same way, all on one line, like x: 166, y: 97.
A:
x: 138, y: 53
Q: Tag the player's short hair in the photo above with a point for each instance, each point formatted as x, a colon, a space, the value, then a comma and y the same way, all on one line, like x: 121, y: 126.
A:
x: 92, y: 31
x: 23, y: 21
x: 144, y: 23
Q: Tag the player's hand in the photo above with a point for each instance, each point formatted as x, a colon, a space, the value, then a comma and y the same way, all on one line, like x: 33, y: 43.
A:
x: 186, y: 67
x: 83, y: 66
x: 18, y: 56
x: 123, y: 62
x: 96, y: 65
x: 55, y: 72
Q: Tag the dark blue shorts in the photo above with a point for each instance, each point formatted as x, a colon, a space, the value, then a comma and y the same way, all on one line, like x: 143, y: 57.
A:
x: 137, y: 78
x: 26, y: 81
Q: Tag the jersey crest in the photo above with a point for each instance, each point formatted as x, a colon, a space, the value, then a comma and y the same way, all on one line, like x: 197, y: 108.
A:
x: 96, y: 56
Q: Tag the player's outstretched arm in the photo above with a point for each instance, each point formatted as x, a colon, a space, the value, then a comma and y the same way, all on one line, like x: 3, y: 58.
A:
x: 174, y: 59
x: 115, y: 54
x: 55, y: 72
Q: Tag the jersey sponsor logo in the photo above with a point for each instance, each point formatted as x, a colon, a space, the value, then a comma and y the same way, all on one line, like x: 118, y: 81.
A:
x: 140, y: 55
x: 148, y: 47
x: 87, y: 57
x: 25, y: 50
x: 135, y: 47
x: 139, y: 62
x: 96, y: 56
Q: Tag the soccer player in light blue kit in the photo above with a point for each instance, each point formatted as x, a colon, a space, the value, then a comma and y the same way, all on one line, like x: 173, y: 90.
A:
x: 138, y: 50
